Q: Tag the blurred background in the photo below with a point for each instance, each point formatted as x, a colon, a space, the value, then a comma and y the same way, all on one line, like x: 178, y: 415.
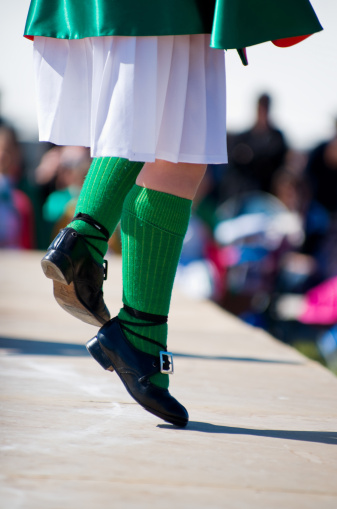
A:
x: 262, y: 242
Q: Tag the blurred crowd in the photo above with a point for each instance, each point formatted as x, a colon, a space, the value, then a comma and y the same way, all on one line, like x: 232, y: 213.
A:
x: 262, y: 241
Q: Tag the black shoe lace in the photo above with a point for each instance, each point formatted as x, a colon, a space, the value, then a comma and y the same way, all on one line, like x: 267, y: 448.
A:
x: 98, y: 226
x: 151, y: 321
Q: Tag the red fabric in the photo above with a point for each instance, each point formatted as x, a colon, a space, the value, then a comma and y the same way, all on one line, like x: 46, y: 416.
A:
x: 290, y: 41
x: 25, y: 208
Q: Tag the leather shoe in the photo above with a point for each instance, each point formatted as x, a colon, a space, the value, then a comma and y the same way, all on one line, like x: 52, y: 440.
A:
x: 77, y: 277
x: 112, y: 350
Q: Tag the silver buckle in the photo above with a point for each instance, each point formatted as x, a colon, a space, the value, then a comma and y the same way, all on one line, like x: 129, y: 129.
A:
x: 166, y: 363
x: 105, y: 270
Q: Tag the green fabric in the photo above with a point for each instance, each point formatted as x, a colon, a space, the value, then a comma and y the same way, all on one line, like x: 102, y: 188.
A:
x: 75, y: 19
x: 242, y: 23
x: 154, y: 225
x: 56, y: 203
x: 233, y: 23
x: 108, y: 181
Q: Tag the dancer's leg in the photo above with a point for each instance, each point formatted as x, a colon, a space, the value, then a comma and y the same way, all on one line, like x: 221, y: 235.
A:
x: 155, y: 218
x: 107, y: 183
x: 181, y: 179
x: 74, y: 260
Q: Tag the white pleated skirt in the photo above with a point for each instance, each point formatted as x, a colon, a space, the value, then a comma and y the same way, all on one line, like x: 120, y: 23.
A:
x: 140, y: 98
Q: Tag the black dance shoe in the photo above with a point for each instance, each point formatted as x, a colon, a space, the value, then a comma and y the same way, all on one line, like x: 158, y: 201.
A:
x: 112, y: 350
x: 77, y: 277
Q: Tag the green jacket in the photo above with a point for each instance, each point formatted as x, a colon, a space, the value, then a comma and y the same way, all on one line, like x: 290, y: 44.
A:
x: 232, y: 23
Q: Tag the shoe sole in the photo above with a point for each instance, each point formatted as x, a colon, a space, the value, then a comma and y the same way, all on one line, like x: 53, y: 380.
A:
x: 65, y: 295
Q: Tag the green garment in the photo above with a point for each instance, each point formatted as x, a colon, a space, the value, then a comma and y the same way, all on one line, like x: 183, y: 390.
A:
x: 232, y: 23
x: 153, y: 225
x: 75, y: 19
x: 242, y: 23
x: 106, y: 185
x: 56, y: 203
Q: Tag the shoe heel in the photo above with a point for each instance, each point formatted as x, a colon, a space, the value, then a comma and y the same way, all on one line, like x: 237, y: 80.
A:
x: 57, y: 266
x: 95, y: 350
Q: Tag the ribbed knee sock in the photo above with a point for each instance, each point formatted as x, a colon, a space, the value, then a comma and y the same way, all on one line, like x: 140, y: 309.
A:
x: 108, y: 181
x: 154, y: 225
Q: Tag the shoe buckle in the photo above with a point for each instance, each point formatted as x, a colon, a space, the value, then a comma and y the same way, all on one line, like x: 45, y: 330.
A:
x: 166, y: 363
x: 105, y: 270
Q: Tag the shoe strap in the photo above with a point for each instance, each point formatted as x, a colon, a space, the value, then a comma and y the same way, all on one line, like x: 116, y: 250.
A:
x: 90, y: 220
x: 98, y: 226
x: 151, y: 321
x: 142, y: 315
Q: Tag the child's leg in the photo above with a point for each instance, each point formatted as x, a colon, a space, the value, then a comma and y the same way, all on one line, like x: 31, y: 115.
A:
x: 154, y: 223
x: 107, y: 183
x: 74, y: 260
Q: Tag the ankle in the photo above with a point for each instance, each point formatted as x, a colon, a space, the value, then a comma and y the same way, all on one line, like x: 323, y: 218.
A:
x: 97, y: 246
x: 156, y: 333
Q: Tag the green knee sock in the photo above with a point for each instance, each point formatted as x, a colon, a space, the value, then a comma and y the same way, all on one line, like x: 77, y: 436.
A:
x: 154, y: 225
x: 108, y: 181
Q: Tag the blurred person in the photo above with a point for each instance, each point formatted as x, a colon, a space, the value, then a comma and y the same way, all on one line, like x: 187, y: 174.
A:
x: 294, y: 191
x: 322, y: 173
x: 72, y: 166
x: 154, y: 115
x: 10, y: 154
x: 10, y: 223
x: 286, y: 186
x: 12, y: 197
x: 256, y: 154
x: 45, y: 172
x: 327, y: 253
x: 301, y: 267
